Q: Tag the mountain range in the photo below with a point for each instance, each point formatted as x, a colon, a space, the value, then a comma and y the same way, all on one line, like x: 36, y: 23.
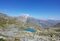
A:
x: 41, y: 23
x: 31, y: 21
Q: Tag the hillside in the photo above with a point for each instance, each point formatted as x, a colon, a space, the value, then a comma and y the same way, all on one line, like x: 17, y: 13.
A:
x: 27, y: 21
x: 57, y: 25
x: 27, y: 28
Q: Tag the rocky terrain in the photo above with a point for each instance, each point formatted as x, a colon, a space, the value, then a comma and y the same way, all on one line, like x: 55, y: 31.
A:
x: 15, y: 34
x: 26, y: 28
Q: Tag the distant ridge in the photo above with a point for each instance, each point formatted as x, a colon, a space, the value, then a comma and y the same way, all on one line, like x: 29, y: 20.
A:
x: 57, y: 25
x: 30, y: 20
x: 42, y: 23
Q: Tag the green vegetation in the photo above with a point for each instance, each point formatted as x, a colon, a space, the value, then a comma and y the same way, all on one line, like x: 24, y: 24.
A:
x: 1, y: 39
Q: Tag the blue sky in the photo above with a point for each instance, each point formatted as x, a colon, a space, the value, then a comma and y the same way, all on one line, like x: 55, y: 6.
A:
x: 42, y: 9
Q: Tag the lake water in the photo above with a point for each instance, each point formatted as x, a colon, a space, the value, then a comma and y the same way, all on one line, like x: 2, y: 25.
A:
x: 30, y: 29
